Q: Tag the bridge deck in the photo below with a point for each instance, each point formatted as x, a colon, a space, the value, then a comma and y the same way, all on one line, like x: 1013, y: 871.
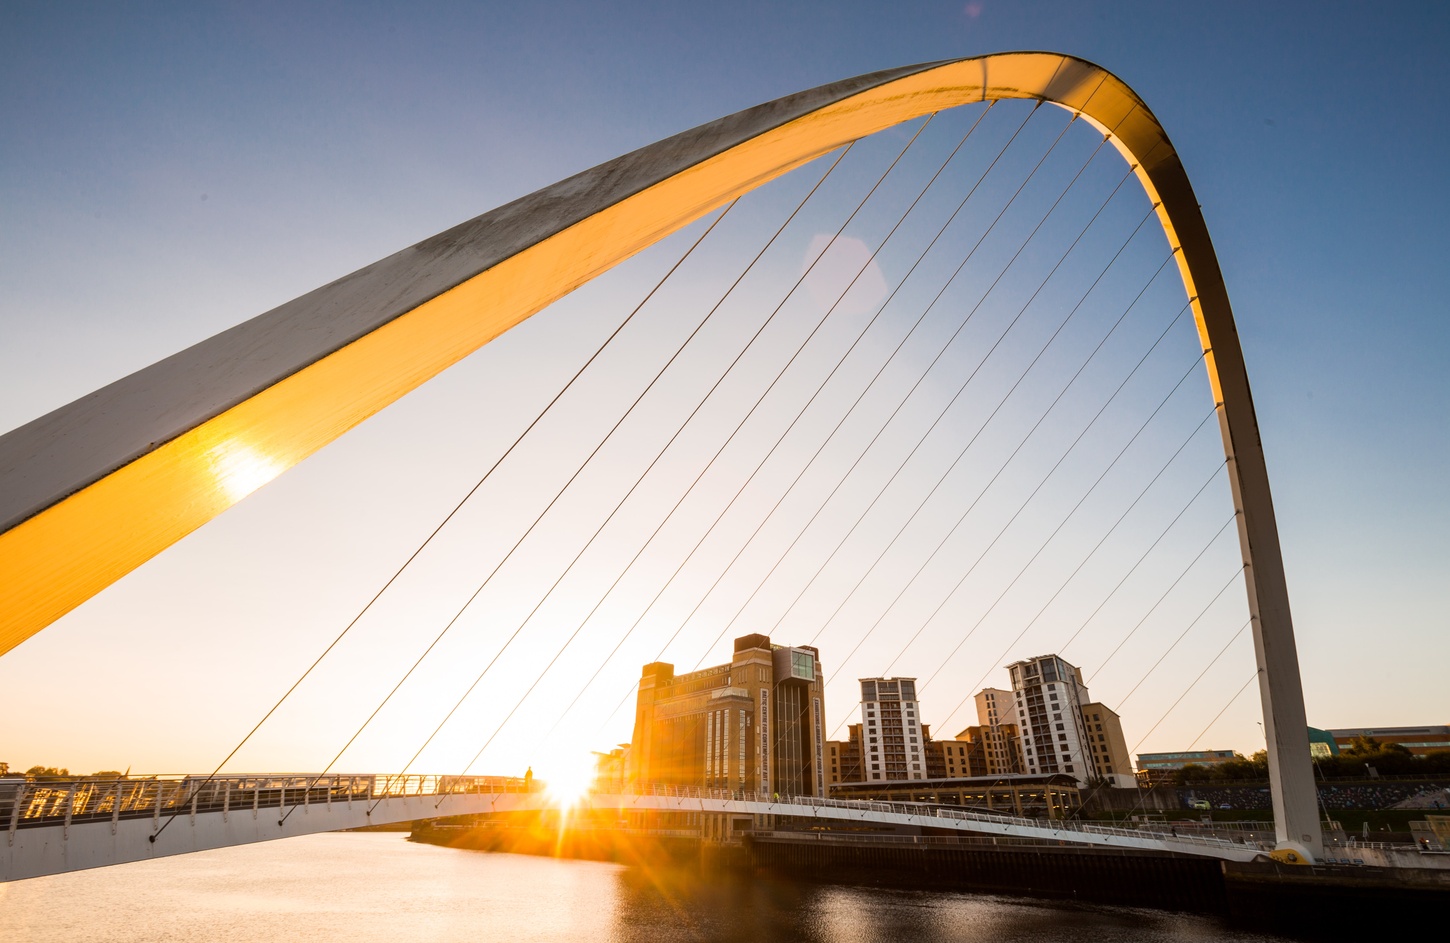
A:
x: 69, y: 826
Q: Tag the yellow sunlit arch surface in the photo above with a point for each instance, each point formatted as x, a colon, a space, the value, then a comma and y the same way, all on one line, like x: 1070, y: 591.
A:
x: 60, y: 554
x: 96, y: 488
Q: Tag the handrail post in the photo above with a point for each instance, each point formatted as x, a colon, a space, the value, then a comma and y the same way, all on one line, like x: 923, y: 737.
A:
x: 70, y: 804
x: 15, y: 813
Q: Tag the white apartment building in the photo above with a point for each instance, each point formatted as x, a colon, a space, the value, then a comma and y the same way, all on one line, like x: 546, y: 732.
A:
x: 892, y: 746
x: 1057, y: 735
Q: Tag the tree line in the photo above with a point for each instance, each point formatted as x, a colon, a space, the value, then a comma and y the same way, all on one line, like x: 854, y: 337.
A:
x: 1364, y: 758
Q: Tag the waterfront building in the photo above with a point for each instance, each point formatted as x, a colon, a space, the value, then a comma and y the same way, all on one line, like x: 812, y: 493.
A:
x: 1062, y: 729
x: 892, y: 743
x: 1156, y: 767
x: 1049, y: 796
x: 1418, y: 740
x: 754, y: 724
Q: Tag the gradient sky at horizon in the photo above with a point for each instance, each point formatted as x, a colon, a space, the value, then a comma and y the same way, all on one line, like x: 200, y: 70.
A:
x: 171, y: 170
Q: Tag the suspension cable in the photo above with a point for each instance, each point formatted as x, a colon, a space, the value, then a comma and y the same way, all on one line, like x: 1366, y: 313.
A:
x: 940, y: 353
x: 1091, y: 553
x: 520, y: 541
x: 1176, y: 387
x: 1218, y: 533
x: 982, y: 428
x: 1212, y: 476
x: 1233, y: 638
x: 850, y: 411
x: 799, y: 415
x: 538, y: 678
x: 1090, y: 490
x: 1143, y: 797
x: 834, y: 164
x: 1139, y: 562
x: 450, y: 515
x: 950, y: 403
x: 1238, y: 572
x: 1081, y: 501
x: 728, y: 369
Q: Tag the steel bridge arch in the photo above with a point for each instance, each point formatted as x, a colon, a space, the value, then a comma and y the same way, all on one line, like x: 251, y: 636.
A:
x: 94, y: 489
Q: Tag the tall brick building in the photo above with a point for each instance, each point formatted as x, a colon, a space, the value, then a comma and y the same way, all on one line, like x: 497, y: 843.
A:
x: 755, y: 724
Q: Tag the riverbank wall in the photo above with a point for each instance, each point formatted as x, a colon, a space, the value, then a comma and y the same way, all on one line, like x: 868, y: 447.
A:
x: 1322, y: 902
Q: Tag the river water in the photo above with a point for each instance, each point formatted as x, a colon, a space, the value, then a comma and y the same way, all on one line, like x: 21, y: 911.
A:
x: 381, y: 888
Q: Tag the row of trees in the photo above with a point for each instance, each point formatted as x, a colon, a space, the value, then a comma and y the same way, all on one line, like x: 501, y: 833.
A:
x: 59, y: 772
x: 1364, y: 758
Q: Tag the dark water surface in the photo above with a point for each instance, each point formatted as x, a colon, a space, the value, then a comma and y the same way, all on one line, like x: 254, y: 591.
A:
x: 380, y: 888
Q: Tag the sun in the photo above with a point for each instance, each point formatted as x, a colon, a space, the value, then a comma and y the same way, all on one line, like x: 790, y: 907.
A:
x: 569, y: 781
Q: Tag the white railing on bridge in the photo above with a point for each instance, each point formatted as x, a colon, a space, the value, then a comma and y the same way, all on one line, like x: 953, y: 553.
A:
x: 1067, y: 828
x: 29, y: 804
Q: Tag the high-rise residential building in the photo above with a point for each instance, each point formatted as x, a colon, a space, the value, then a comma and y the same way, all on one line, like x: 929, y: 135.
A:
x: 752, y: 725
x: 892, y: 745
x: 1062, y: 729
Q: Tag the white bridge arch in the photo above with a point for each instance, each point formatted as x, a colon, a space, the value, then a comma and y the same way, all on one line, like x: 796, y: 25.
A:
x: 92, y: 490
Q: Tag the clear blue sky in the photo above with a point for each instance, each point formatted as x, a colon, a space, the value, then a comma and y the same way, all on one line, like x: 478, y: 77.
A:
x: 169, y: 170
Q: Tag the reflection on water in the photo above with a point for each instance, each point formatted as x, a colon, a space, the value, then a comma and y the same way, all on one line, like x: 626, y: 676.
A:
x: 361, y: 888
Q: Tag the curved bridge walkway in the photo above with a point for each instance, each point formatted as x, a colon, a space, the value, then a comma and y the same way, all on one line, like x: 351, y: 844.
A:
x: 53, y: 827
